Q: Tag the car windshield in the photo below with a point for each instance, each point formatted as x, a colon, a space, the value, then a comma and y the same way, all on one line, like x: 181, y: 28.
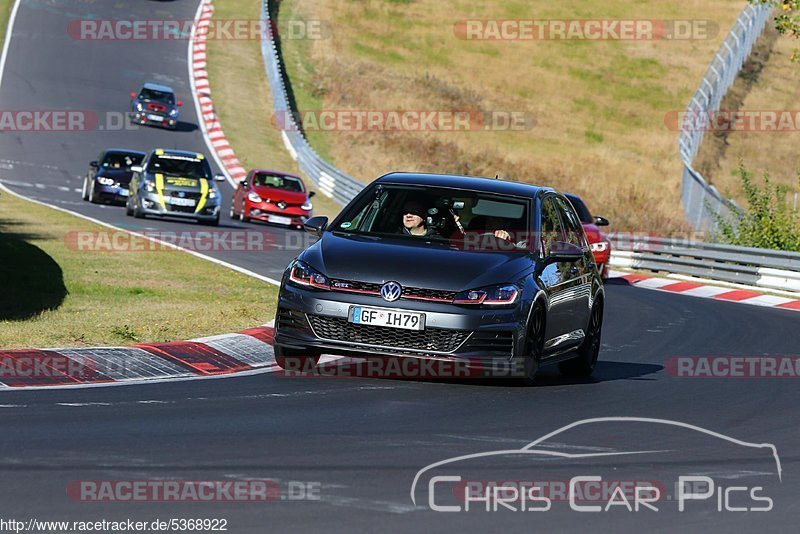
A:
x: 278, y: 181
x: 459, y: 218
x: 184, y: 166
x: 583, y: 212
x: 121, y: 160
x: 157, y: 96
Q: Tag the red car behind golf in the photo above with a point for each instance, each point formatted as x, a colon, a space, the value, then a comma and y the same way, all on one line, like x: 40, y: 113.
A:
x: 272, y: 197
x: 598, y: 242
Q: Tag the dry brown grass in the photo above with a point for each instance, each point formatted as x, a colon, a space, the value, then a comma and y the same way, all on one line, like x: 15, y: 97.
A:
x: 772, y: 85
x: 599, y: 106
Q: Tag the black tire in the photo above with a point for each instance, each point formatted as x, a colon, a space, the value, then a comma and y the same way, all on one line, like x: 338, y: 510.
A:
x: 586, y: 360
x: 137, y: 210
x: 292, y: 360
x: 128, y: 208
x: 85, y: 192
x: 91, y: 197
x: 214, y: 222
x: 534, y: 345
x: 233, y: 214
x: 244, y: 218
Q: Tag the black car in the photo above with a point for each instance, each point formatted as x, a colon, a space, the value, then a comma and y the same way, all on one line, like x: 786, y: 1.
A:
x: 493, y: 273
x: 155, y: 105
x: 109, y: 176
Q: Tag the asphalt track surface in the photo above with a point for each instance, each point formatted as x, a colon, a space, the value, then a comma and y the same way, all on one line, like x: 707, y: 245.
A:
x: 358, y: 443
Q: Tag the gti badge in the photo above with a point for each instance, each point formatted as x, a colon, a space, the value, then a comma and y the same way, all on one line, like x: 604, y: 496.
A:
x: 391, y: 291
x: 282, y: 205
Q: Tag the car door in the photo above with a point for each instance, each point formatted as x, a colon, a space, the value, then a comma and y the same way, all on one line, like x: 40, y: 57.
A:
x: 555, y: 279
x: 580, y: 272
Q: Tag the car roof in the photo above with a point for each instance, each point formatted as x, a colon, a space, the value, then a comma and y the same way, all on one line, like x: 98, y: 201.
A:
x: 124, y: 151
x: 158, y: 87
x: 475, y: 183
x: 187, y: 153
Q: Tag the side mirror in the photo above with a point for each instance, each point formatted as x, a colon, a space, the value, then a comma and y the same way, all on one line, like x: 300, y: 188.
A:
x: 601, y: 221
x: 136, y: 168
x: 316, y: 225
x: 220, y: 177
x: 245, y: 184
x: 94, y: 164
x: 180, y: 103
x: 311, y: 194
x: 564, y: 252
x: 133, y: 95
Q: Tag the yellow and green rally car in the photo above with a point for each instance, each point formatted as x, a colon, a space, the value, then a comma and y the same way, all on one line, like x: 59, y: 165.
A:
x: 175, y: 183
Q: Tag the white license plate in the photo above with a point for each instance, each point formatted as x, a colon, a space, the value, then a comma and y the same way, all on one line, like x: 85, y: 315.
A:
x: 389, y: 318
x: 158, y: 118
x: 176, y: 201
x: 277, y: 219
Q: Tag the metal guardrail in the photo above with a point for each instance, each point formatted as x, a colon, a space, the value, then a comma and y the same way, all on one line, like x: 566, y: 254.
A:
x: 769, y: 269
x: 331, y: 181
x: 701, y: 199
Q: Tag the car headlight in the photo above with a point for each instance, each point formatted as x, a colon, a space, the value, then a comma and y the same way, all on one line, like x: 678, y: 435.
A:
x: 212, y: 193
x: 173, y: 112
x: 102, y: 180
x: 601, y: 246
x: 302, y: 274
x: 307, y: 206
x: 139, y: 106
x: 503, y: 295
x: 253, y: 197
x: 150, y: 187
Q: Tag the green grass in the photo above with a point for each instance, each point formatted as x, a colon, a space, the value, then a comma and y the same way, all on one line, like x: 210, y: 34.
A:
x: 55, y: 295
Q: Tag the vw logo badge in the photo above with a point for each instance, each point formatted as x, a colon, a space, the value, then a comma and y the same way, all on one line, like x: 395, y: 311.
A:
x: 181, y: 194
x: 282, y: 205
x: 391, y: 291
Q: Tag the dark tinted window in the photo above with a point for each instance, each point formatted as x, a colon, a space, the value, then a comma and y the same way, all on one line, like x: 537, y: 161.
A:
x: 277, y: 181
x: 573, y: 225
x: 583, y: 212
x: 552, y: 228
x: 121, y: 160
x: 157, y: 96
x: 183, y: 166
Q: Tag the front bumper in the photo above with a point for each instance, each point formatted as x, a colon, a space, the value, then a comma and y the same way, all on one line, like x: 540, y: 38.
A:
x: 318, y: 321
x: 267, y: 212
x: 154, y: 119
x: 111, y: 193
x: 151, y: 205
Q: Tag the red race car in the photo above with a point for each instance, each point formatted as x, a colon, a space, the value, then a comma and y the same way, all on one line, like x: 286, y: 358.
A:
x: 273, y: 197
x: 599, y: 243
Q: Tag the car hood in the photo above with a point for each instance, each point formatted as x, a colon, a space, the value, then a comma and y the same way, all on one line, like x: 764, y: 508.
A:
x: 276, y: 195
x: 416, y: 264
x: 120, y: 175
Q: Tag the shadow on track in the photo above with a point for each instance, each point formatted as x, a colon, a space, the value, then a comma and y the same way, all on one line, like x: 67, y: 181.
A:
x: 32, y: 281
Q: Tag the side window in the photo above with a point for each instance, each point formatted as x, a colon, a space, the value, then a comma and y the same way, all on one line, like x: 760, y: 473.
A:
x: 573, y: 225
x: 552, y: 228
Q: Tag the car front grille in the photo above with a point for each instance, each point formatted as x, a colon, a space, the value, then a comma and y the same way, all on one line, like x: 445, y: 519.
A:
x: 431, y: 339
x: 409, y: 293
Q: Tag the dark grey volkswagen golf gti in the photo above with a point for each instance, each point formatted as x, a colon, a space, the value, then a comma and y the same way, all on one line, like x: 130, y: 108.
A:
x: 494, y: 274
